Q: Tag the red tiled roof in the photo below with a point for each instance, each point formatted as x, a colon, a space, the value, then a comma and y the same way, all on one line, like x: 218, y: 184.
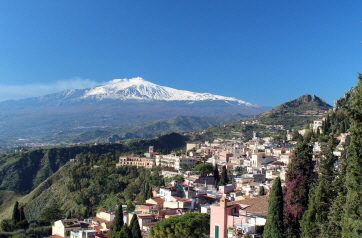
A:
x: 158, y: 200
x: 97, y: 228
x: 277, y: 163
x: 181, y: 199
x: 145, y: 216
x: 256, y: 205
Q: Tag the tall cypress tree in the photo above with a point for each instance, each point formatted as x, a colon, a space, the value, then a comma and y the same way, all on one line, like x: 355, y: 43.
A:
x: 22, y: 213
x: 224, y: 176
x: 216, y: 175
x: 118, y: 220
x: 16, y: 213
x: 274, y: 226
x: 334, y: 226
x: 322, y: 196
x: 298, y: 179
x: 352, y: 217
x: 261, y: 191
x: 135, y: 227
x: 125, y: 232
x: 149, y: 191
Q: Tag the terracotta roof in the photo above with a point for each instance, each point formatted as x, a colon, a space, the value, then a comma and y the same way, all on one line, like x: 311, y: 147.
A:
x: 148, y: 204
x: 97, y: 219
x: 145, y: 216
x: 277, y: 163
x: 159, y: 200
x: 181, y: 199
x: 97, y: 228
x: 257, y: 205
x: 205, y: 196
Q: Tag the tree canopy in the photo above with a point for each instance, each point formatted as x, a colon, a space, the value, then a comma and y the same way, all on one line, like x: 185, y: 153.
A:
x: 352, y: 217
x: 190, y: 225
x: 118, y: 220
x: 299, y: 178
x: 274, y: 226
x: 204, y: 169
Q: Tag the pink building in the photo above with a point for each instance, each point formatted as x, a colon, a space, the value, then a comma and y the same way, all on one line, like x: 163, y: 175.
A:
x: 241, y: 216
x: 222, y: 217
x: 226, y: 189
x: 225, y: 156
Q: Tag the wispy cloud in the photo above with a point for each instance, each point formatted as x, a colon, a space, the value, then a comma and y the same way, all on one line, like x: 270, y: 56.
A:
x: 8, y: 92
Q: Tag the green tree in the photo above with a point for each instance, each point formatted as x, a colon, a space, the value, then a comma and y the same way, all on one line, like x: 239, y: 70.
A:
x: 322, y: 195
x: 216, y: 174
x: 204, y: 169
x: 274, y: 226
x: 52, y: 212
x: 224, y: 180
x: 239, y: 170
x: 118, y: 220
x: 149, y: 192
x: 352, y: 217
x: 193, y: 225
x: 299, y: 178
x: 6, y: 225
x: 135, y: 227
x: 296, y: 136
x: 334, y: 226
x: 22, y: 213
x: 16, y: 213
x: 125, y: 232
x: 261, y: 191
x: 130, y: 207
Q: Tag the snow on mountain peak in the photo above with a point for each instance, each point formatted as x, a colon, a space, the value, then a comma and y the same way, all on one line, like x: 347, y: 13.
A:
x: 142, y: 90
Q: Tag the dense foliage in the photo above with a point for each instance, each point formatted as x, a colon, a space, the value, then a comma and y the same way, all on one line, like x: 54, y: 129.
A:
x: 274, y: 226
x: 299, y: 177
x: 118, y: 220
x: 352, y: 215
x: 224, y: 180
x: 190, y: 225
x: 321, y: 197
x: 135, y: 227
x: 23, y: 171
x: 204, y: 169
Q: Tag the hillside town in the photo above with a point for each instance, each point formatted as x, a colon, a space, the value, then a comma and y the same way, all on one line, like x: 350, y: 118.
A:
x: 237, y: 208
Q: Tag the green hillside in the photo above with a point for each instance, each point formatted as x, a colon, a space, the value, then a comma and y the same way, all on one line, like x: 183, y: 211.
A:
x: 145, y: 130
x: 21, y: 172
x: 297, y: 112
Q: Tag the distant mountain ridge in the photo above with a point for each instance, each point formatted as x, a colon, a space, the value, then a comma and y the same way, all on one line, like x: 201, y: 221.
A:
x: 134, y: 89
x: 140, y: 89
x: 151, y: 129
x: 121, y: 102
x: 296, y: 112
x: 298, y: 105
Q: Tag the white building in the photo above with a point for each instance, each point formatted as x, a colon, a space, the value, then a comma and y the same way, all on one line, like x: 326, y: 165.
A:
x: 174, y: 161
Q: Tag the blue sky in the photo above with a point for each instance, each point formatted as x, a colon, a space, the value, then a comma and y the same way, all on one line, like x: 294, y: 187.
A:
x: 261, y: 51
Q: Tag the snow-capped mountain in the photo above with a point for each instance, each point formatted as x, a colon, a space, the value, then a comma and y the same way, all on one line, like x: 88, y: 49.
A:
x: 142, y: 90
x: 119, y: 102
